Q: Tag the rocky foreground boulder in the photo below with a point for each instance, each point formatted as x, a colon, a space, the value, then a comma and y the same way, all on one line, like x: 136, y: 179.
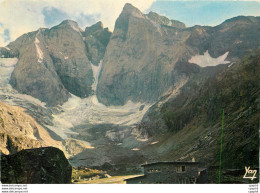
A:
x: 46, y: 165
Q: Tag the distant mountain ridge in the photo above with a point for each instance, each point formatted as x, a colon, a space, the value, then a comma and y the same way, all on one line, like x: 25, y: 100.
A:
x: 144, y: 52
x: 55, y: 62
x: 139, y: 58
x: 151, y: 90
x: 190, y: 124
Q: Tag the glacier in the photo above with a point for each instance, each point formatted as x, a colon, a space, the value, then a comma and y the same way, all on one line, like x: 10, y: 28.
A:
x: 76, y: 111
x: 7, y: 93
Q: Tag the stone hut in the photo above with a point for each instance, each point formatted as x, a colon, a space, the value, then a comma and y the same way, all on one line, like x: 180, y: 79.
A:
x: 168, y: 173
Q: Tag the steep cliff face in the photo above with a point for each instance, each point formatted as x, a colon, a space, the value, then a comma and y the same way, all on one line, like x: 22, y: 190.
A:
x: 67, y: 50
x: 96, y: 38
x: 148, y: 59
x: 140, y: 58
x: 237, y: 35
x: 36, y: 166
x: 144, y: 50
x: 34, y: 73
x: 52, y: 63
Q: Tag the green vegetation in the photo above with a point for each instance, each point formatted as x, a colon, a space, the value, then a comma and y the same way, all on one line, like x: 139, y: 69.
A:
x: 193, y: 120
x: 82, y: 174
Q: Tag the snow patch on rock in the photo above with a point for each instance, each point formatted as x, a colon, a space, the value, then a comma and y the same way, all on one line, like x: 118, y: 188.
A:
x: 7, y: 48
x: 206, y: 60
x: 38, y: 50
x: 93, y: 112
x: 61, y: 127
x: 230, y: 64
x: 12, y: 96
x: 77, y: 111
x: 6, y: 68
x: 96, y: 71
x: 155, y: 142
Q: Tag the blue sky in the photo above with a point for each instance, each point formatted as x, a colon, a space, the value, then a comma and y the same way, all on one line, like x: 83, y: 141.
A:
x: 205, y: 12
x: 21, y: 16
x: 190, y: 12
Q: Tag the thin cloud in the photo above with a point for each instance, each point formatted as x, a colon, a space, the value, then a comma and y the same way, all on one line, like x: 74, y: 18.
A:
x: 22, y: 16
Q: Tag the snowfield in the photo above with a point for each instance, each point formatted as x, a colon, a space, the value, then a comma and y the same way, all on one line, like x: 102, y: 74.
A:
x: 7, y: 66
x: 38, y: 49
x: 75, y: 111
x: 206, y: 60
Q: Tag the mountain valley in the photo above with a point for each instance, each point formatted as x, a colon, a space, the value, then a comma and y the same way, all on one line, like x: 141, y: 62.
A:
x: 151, y: 90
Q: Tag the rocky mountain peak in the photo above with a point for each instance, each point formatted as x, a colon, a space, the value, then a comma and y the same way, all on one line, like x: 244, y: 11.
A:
x: 96, y: 38
x: 94, y: 28
x: 158, y: 18
x: 239, y: 21
x: 162, y: 20
x: 129, y: 8
x: 72, y: 24
x: 140, y: 60
x: 142, y: 49
x: 99, y: 24
x: 68, y: 22
x: 123, y: 22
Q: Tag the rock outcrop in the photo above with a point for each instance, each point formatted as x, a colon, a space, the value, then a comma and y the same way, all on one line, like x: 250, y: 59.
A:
x: 52, y: 63
x: 162, y: 20
x: 35, y: 74
x: 96, y: 38
x: 20, y: 131
x: 192, y: 121
x: 36, y: 166
x: 56, y: 62
x: 237, y: 35
x: 139, y: 60
x: 67, y: 50
x: 145, y: 51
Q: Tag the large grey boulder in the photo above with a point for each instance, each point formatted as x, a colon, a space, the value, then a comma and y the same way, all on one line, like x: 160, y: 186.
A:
x: 36, y: 166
